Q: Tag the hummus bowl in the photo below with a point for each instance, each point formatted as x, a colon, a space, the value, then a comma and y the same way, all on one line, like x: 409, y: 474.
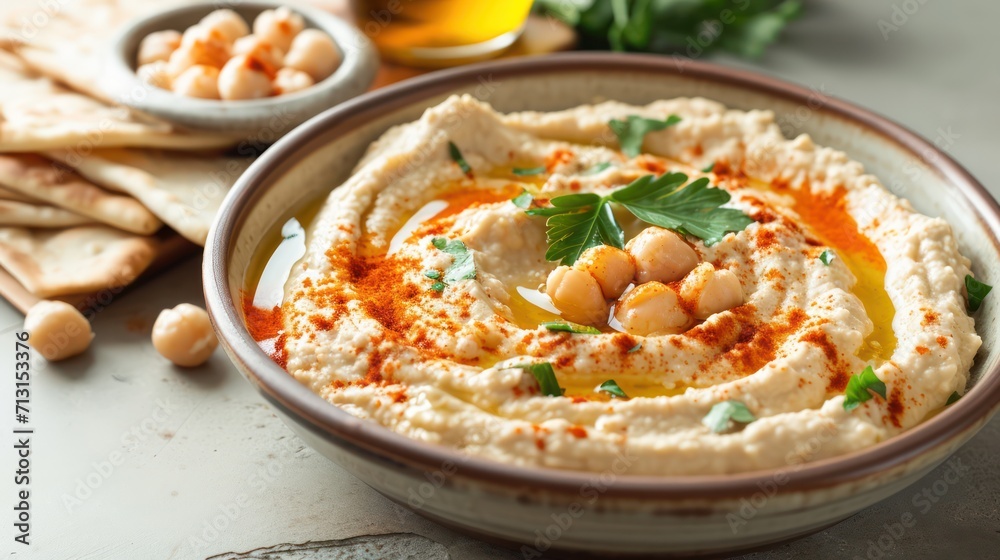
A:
x: 683, y: 495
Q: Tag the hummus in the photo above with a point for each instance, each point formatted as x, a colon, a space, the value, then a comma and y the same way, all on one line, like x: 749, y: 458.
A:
x: 836, y: 274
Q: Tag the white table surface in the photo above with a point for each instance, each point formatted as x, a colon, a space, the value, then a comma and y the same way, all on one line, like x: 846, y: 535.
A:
x: 204, y: 468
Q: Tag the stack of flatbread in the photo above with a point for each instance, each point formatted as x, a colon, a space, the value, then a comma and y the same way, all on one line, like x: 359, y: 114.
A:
x: 92, y: 194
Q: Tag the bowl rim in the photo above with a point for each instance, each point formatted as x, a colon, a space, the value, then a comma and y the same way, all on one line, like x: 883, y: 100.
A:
x: 338, y: 426
x: 357, y: 58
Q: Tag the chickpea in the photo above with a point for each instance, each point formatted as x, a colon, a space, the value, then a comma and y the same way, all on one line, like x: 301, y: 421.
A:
x: 314, y: 53
x: 577, y: 295
x: 57, y: 330
x: 198, y: 81
x: 712, y: 291
x: 290, y: 80
x: 661, y: 255
x: 651, y: 309
x: 226, y: 22
x: 158, y: 46
x: 278, y: 27
x: 260, y: 49
x: 611, y: 267
x: 184, y: 335
x: 244, y: 77
x: 198, y: 47
x: 154, y: 74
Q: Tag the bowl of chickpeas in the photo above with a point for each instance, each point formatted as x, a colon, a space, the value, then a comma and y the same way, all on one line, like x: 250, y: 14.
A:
x: 253, y: 69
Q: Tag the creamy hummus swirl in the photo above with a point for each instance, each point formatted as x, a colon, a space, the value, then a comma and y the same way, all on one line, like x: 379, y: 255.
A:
x: 363, y: 328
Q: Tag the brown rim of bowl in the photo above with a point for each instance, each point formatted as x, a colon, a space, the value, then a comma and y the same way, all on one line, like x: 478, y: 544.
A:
x: 340, y: 427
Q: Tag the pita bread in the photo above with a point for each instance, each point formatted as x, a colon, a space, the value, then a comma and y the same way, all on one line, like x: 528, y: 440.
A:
x: 15, y: 213
x: 37, y: 114
x: 7, y: 194
x: 184, y: 191
x: 75, y: 260
x: 53, y: 183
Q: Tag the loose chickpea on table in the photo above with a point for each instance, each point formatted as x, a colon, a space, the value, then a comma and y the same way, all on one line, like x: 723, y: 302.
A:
x: 220, y: 58
x: 184, y: 335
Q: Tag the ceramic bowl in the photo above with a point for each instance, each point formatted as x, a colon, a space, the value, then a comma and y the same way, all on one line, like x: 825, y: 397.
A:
x: 260, y: 120
x: 577, y: 513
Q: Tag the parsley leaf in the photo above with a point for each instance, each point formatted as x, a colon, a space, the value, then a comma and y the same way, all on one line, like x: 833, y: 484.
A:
x: 724, y: 413
x: 432, y: 274
x: 438, y: 286
x: 597, y: 168
x: 611, y: 387
x: 577, y: 222
x: 522, y: 171
x: 693, y: 209
x: 953, y: 398
x: 859, y: 388
x: 977, y: 291
x: 523, y: 200
x: 827, y: 256
x: 709, y: 169
x: 633, y: 130
x: 463, y: 266
x: 546, y: 378
x: 456, y: 156
x: 562, y: 326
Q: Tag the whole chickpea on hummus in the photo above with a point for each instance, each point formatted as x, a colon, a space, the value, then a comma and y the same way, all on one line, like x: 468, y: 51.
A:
x: 677, y: 283
x: 223, y: 58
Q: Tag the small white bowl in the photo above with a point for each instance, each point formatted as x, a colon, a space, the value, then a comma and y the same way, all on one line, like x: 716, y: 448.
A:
x: 259, y: 120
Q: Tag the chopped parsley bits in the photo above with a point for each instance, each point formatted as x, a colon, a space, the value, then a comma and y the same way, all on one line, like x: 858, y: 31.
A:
x: 525, y: 171
x: 546, y: 378
x: 633, y: 130
x: 611, y: 387
x: 523, y: 200
x: 860, y: 388
x: 456, y: 156
x: 826, y: 257
x: 977, y: 292
x: 562, y: 326
x: 723, y: 414
x: 462, y: 267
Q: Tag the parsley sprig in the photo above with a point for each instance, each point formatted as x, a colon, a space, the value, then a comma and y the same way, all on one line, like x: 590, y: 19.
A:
x: 577, y: 222
x: 977, y: 291
x: 723, y: 414
x: 546, y: 378
x: 611, y: 387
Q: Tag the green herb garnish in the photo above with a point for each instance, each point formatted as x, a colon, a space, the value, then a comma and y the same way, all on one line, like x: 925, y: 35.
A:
x: 611, y: 387
x: 709, y: 169
x: 860, y: 386
x: 456, y: 156
x: 977, y: 291
x: 546, y: 378
x: 724, y: 413
x: 577, y: 222
x: 432, y: 274
x: 463, y: 266
x: 826, y: 257
x: 744, y: 28
x: 952, y: 398
x: 633, y: 130
x: 597, y: 168
x: 570, y: 328
x: 522, y: 171
x: 438, y: 286
x: 523, y: 200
